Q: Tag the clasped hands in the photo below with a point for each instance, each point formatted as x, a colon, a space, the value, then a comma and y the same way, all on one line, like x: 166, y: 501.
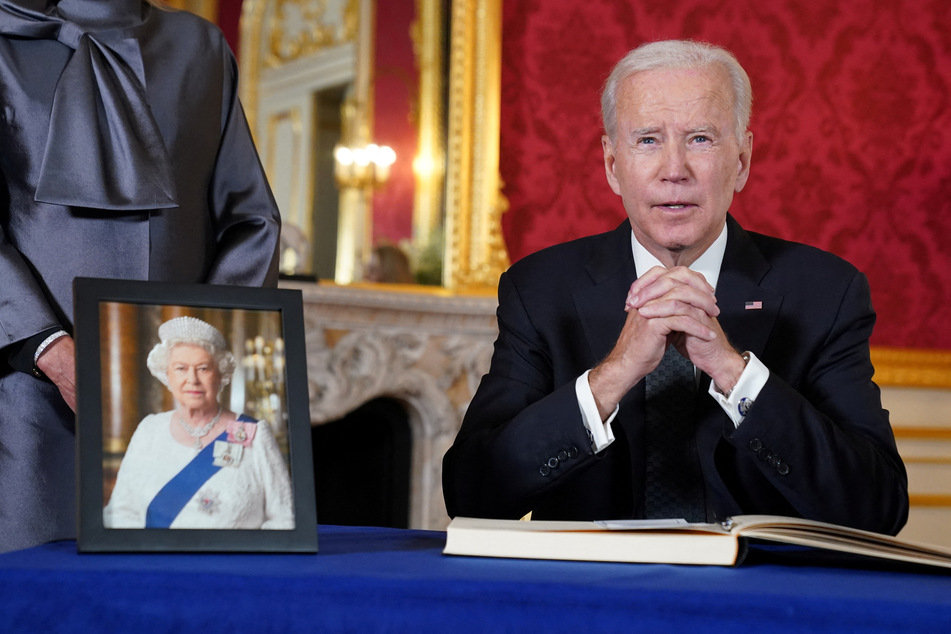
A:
x: 665, y: 306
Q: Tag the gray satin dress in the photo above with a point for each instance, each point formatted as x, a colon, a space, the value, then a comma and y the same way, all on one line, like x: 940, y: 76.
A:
x: 124, y: 153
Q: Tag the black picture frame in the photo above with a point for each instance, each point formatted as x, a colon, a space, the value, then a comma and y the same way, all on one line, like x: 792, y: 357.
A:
x: 105, y: 341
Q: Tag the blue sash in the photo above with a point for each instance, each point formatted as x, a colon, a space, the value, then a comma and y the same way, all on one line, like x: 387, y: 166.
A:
x: 169, y: 502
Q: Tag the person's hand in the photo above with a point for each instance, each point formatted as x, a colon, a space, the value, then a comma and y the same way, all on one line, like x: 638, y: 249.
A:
x: 665, y: 306
x: 682, y: 303
x: 638, y: 350
x: 676, y: 298
x: 58, y: 363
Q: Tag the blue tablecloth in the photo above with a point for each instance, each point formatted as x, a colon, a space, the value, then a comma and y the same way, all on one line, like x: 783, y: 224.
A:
x: 377, y: 579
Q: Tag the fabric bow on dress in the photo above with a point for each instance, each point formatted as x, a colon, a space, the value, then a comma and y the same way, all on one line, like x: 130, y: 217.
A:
x: 104, y: 149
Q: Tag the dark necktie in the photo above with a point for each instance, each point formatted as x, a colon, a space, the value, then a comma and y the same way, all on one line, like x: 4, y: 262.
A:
x: 674, y: 485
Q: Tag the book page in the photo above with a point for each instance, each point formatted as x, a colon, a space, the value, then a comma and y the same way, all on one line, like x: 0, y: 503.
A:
x: 661, y: 525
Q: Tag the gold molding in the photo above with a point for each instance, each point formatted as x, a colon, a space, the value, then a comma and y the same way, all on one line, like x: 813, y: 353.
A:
x: 428, y: 36
x: 907, y: 367
x: 355, y: 207
x: 252, y: 12
x: 207, y: 9
x: 255, y: 53
x: 925, y: 499
x: 475, y: 253
x: 941, y: 462
x: 922, y: 433
x: 310, y: 31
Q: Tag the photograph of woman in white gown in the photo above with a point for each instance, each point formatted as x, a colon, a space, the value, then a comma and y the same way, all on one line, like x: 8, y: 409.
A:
x: 199, y: 465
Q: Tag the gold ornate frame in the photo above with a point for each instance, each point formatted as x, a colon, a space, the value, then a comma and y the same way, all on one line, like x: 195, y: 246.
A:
x: 207, y: 9
x: 475, y: 253
x: 252, y: 12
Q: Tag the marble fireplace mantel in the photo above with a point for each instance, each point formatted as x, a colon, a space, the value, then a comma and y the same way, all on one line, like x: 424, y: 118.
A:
x: 423, y: 349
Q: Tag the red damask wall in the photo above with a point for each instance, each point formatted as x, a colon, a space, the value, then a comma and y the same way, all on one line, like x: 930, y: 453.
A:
x: 851, y: 123
x: 229, y: 21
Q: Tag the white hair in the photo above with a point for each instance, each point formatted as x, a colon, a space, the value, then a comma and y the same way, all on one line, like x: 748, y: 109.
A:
x: 195, y: 332
x: 678, y: 54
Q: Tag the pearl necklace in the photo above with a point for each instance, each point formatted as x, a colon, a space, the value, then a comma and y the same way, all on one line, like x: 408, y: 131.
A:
x: 198, y: 433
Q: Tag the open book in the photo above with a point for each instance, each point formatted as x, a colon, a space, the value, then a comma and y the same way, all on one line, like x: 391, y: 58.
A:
x: 671, y: 541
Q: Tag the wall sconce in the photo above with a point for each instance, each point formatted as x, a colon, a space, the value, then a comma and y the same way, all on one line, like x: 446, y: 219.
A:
x: 363, y: 167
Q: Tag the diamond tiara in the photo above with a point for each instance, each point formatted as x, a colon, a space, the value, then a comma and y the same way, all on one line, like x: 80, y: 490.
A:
x: 191, y: 330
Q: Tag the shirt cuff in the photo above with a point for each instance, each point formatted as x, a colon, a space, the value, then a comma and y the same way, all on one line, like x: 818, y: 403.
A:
x: 21, y: 354
x: 600, y: 434
x: 738, y: 402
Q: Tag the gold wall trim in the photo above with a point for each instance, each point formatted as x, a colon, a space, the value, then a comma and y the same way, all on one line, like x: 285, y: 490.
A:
x: 207, y: 9
x: 262, y: 43
x: 429, y: 37
x: 922, y: 433
x: 252, y: 12
x: 475, y: 253
x: 907, y: 367
x: 941, y: 462
x: 311, y: 33
x: 929, y: 500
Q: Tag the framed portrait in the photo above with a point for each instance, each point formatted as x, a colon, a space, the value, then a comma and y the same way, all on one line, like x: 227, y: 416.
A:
x: 193, y: 427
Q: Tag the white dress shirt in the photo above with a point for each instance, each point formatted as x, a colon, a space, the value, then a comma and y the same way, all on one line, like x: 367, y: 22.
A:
x: 736, y: 404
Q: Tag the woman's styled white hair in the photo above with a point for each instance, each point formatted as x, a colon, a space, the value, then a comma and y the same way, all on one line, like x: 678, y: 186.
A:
x: 678, y: 54
x: 195, y: 332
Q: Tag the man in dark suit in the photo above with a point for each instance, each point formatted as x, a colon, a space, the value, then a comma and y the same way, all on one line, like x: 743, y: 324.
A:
x: 786, y: 419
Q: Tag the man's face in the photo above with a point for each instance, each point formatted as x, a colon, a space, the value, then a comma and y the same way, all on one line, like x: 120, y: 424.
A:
x: 676, y: 161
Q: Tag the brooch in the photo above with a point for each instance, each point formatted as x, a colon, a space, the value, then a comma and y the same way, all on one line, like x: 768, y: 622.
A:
x: 208, y: 502
x: 241, y: 433
x: 227, y: 454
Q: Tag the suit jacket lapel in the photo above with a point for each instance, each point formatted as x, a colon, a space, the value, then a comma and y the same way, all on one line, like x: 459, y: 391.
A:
x: 600, y: 306
x: 747, y: 309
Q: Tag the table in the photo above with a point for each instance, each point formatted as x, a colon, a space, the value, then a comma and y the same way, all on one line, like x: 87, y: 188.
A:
x: 379, y: 579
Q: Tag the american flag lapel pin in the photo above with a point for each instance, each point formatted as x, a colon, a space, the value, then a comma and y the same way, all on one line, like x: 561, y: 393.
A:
x: 753, y: 306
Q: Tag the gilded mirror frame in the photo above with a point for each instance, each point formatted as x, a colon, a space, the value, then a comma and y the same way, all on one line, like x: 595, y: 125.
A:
x: 475, y: 253
x: 207, y: 9
x: 470, y: 215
